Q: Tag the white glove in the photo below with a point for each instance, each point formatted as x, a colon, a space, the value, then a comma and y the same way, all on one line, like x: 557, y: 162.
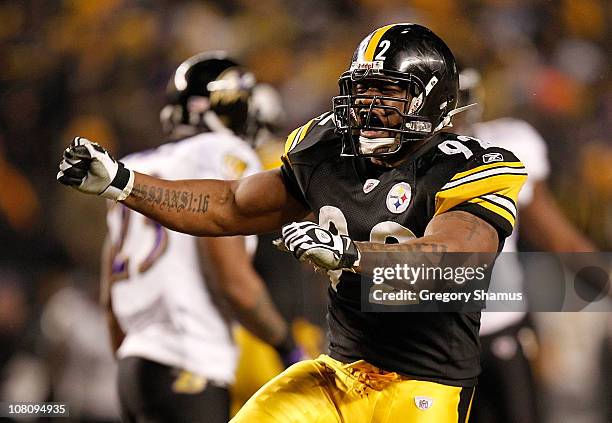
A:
x: 309, y: 241
x: 89, y: 168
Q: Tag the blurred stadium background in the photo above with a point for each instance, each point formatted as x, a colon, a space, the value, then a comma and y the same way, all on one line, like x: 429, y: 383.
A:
x: 99, y: 69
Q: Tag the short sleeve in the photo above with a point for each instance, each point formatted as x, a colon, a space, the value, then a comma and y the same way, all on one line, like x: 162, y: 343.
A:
x: 287, y: 173
x: 525, y: 142
x: 291, y: 182
x: 488, y: 187
x: 295, y: 137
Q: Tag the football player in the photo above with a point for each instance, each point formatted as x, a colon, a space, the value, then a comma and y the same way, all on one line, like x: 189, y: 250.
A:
x: 167, y: 311
x: 507, y: 390
x: 379, y: 173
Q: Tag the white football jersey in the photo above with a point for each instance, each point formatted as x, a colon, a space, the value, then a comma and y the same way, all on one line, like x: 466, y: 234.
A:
x: 524, y: 141
x: 160, y: 295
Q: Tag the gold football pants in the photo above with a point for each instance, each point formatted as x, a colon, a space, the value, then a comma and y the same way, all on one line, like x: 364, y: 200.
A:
x: 325, y: 390
x: 258, y: 362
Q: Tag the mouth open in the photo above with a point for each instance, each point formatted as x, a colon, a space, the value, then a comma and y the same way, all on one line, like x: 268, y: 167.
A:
x: 375, y: 121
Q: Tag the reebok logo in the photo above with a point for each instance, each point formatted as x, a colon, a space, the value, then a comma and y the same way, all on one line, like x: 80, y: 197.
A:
x: 492, y: 157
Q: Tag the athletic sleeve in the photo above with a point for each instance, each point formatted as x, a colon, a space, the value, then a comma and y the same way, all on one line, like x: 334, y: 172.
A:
x: 287, y: 173
x: 526, y: 143
x: 488, y: 187
x: 291, y: 183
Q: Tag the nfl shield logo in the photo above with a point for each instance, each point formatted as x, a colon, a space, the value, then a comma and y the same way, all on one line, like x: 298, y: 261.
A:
x: 423, y: 403
x: 369, y: 185
x: 399, y: 197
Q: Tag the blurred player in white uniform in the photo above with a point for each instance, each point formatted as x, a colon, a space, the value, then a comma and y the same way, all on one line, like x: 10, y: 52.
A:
x: 506, y: 389
x: 170, y: 296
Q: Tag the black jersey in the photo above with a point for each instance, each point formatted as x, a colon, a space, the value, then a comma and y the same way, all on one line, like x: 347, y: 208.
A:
x: 369, y: 203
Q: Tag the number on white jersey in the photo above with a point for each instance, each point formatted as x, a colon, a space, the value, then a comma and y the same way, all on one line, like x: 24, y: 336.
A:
x: 120, y: 261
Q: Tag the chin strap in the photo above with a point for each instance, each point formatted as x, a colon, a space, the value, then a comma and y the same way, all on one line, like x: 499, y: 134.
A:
x: 370, y: 145
x: 449, y: 116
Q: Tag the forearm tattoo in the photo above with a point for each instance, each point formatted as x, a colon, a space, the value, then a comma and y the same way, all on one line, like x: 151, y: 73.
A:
x: 474, y: 225
x: 171, y: 200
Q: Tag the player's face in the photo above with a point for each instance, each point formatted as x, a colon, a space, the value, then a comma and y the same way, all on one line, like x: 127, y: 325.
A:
x: 380, y: 93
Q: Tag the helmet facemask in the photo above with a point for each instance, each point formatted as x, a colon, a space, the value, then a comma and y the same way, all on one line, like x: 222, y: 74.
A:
x: 378, y: 125
x: 414, y: 57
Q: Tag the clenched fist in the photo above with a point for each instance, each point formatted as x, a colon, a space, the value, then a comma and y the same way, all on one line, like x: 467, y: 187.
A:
x: 89, y: 168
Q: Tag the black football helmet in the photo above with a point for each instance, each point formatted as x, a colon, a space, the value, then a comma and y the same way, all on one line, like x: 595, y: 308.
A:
x: 413, y: 57
x: 208, y: 92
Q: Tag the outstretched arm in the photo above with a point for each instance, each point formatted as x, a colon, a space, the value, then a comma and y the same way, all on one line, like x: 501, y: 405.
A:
x: 257, y: 204
x: 206, y: 207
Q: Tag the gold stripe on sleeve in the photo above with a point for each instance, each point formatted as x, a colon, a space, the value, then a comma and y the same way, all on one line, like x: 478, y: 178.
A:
x: 290, y: 138
x: 485, y: 167
x: 305, y: 131
x: 297, y: 136
x: 494, y: 208
x: 507, y: 185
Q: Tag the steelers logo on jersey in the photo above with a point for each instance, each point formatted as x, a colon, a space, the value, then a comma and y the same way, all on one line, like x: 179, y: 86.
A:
x: 398, y: 198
